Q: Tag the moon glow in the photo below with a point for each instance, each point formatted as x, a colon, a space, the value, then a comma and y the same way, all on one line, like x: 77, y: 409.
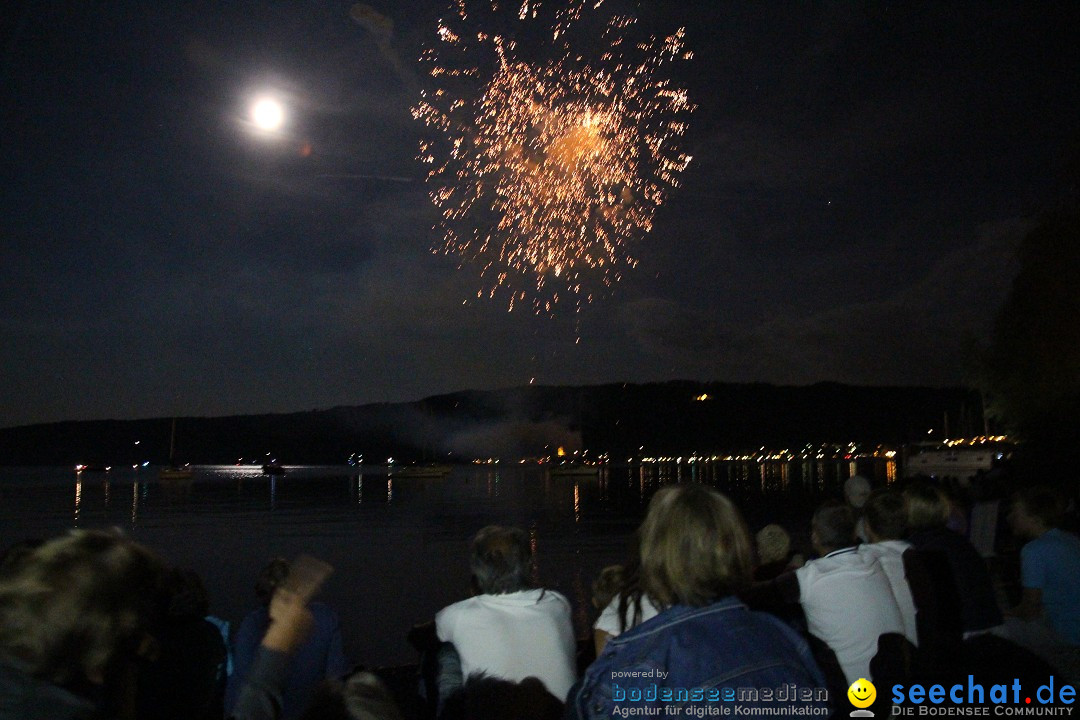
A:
x: 267, y: 114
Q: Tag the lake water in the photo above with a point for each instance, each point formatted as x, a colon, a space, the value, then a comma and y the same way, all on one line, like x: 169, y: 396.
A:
x: 399, y: 546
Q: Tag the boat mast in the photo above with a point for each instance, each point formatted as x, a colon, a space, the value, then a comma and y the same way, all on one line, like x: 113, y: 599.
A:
x: 172, y: 443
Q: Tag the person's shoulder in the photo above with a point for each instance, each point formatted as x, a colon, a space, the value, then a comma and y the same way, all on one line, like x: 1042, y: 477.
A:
x: 552, y: 596
x: 456, y: 608
x: 834, y: 561
x: 1052, y: 542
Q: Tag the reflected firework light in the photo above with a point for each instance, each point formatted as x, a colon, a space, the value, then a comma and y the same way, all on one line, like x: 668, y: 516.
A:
x: 554, y: 137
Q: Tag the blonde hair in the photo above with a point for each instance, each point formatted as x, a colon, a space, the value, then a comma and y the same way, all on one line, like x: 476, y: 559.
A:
x: 773, y: 544
x: 695, y: 548
x: 77, y: 603
x: 927, y: 507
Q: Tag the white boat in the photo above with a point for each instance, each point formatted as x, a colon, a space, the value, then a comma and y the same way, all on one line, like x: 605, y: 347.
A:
x: 961, y: 460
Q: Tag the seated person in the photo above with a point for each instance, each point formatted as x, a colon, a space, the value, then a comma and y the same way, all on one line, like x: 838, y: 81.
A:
x: 509, y: 629
x: 928, y: 512
x: 187, y: 680
x: 774, y: 555
x: 845, y: 595
x: 1047, y: 620
x: 856, y: 492
x: 886, y: 522
x: 76, y: 620
x: 77, y: 614
x: 617, y: 593
x: 360, y: 696
x: 696, y: 554
x: 1049, y: 563
x: 319, y: 658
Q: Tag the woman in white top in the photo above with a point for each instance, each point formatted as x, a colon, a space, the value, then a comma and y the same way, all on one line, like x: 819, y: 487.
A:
x: 624, y: 605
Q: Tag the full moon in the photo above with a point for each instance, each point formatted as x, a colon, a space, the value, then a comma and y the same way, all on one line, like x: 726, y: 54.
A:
x: 267, y: 114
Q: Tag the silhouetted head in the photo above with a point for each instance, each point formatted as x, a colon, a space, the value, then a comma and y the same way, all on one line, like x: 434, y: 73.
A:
x: 360, y: 696
x: 927, y: 506
x: 1035, y: 510
x: 607, y: 586
x: 695, y: 548
x: 490, y: 698
x: 773, y: 544
x: 501, y: 560
x: 186, y: 593
x: 856, y: 491
x: 832, y: 527
x: 886, y: 515
x: 272, y: 576
x: 79, y: 605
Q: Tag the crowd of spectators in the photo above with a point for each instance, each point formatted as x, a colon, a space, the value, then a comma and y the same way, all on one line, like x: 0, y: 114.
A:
x: 888, y: 588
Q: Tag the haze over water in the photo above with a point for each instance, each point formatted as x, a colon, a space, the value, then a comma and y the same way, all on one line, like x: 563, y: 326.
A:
x: 399, y: 546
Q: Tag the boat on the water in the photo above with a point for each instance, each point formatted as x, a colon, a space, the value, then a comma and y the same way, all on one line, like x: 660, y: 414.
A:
x: 433, y: 470
x: 174, y: 471
x: 273, y: 468
x: 183, y: 472
x: 958, y: 459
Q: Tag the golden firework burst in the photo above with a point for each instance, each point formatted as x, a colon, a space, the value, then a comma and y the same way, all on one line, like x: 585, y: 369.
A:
x: 555, y: 138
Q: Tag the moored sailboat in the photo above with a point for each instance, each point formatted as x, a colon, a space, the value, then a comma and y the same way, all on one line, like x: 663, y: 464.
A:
x: 174, y: 471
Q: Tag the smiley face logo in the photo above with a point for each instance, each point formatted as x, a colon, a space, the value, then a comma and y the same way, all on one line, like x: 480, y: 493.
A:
x: 862, y: 693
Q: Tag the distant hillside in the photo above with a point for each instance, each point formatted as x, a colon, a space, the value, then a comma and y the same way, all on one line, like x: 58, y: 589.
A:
x: 664, y: 418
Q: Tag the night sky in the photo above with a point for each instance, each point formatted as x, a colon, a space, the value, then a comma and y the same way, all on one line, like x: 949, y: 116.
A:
x: 862, y: 174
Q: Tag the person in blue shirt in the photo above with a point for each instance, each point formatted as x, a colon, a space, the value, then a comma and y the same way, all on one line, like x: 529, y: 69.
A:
x: 705, y: 647
x: 319, y: 657
x: 1049, y: 563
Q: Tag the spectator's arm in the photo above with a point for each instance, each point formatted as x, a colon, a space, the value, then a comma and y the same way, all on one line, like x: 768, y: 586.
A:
x: 775, y: 596
x: 260, y: 697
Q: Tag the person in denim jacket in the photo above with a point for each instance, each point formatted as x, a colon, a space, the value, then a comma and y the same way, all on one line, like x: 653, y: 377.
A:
x: 705, y: 648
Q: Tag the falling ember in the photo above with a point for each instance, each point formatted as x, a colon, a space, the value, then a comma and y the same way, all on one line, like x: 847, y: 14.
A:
x: 554, y: 139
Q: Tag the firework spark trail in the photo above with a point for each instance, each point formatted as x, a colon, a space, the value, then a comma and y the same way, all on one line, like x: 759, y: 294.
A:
x: 552, y: 143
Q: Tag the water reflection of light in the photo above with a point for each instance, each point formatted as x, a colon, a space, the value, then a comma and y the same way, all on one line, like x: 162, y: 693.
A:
x: 852, y: 469
x: 360, y: 489
x: 577, y: 503
x: 134, y: 503
x: 78, y: 497
x: 389, y: 489
x: 890, y: 472
x: 236, y: 471
x: 106, y: 494
x: 532, y: 551
x: 273, y: 492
